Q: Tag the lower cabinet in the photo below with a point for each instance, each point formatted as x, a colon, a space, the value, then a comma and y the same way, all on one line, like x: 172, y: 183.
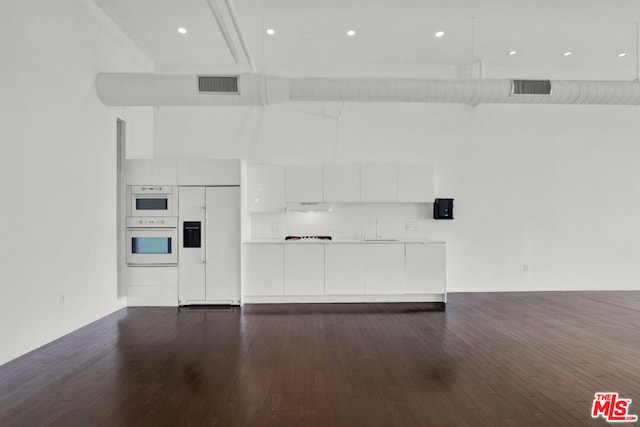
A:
x: 152, y: 286
x: 426, y: 268
x: 344, y: 269
x: 350, y: 272
x: 384, y: 269
x: 304, y: 269
x: 263, y: 269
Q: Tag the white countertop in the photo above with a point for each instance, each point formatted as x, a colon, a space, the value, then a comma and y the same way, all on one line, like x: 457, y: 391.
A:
x: 340, y: 241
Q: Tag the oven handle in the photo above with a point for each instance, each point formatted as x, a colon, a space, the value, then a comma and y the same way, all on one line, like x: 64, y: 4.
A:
x: 203, y: 245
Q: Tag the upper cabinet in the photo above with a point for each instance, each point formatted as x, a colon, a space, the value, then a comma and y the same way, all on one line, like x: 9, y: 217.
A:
x: 266, y: 188
x: 270, y: 187
x: 304, y: 183
x: 415, y: 183
x: 341, y: 183
x: 378, y: 183
x: 209, y: 172
x: 151, y: 172
x: 183, y: 172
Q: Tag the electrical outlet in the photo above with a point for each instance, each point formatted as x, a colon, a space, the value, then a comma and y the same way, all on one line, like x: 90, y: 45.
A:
x: 525, y: 268
x: 62, y: 297
x: 411, y: 226
x: 275, y: 226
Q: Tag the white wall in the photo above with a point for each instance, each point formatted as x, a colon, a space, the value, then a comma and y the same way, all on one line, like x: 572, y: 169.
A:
x: 58, y: 168
x: 553, y: 187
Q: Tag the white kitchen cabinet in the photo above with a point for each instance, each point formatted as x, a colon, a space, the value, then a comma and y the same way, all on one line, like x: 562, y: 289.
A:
x: 304, y: 269
x: 266, y: 188
x: 152, y: 286
x: 378, y: 183
x: 341, y: 183
x: 426, y: 268
x: 263, y: 269
x: 415, y: 183
x: 270, y: 187
x: 344, y: 269
x: 209, y: 172
x: 151, y: 172
x: 384, y: 266
x: 303, y: 183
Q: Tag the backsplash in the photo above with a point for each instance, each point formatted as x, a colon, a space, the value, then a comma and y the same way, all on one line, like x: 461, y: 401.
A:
x: 349, y: 221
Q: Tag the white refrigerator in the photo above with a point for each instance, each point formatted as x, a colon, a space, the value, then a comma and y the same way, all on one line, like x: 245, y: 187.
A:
x: 209, y: 245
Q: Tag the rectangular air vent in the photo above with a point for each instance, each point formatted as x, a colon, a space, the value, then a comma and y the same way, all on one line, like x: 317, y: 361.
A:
x: 218, y: 84
x: 531, y: 87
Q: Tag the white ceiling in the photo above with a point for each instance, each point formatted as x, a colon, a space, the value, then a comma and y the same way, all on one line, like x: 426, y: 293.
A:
x: 393, y: 35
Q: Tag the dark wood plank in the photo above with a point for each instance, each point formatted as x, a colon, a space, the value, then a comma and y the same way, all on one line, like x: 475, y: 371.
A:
x: 522, y: 359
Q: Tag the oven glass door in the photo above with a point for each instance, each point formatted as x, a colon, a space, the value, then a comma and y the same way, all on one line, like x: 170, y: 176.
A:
x: 152, y: 246
x: 151, y: 205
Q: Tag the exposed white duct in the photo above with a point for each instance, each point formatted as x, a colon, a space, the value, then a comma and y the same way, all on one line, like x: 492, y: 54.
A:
x: 119, y: 89
x: 182, y: 89
x: 399, y: 90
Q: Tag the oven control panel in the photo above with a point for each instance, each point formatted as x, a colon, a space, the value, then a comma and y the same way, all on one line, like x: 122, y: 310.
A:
x: 152, y: 189
x: 152, y: 222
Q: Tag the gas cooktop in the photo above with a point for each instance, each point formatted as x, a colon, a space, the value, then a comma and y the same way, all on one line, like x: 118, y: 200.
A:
x: 308, y: 238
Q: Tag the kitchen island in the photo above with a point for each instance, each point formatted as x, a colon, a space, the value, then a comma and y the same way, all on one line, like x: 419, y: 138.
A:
x: 344, y: 271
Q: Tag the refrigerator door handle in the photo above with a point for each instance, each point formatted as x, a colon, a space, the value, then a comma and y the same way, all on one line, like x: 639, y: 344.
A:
x: 204, y: 226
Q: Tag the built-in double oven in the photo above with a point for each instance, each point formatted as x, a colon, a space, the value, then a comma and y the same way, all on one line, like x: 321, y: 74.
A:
x: 151, y: 226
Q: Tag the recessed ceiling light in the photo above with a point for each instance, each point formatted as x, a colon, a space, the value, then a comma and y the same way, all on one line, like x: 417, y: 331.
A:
x: 270, y: 31
x: 512, y: 52
x: 182, y: 30
x: 567, y: 53
x: 439, y: 33
x: 351, y: 33
x: 622, y: 54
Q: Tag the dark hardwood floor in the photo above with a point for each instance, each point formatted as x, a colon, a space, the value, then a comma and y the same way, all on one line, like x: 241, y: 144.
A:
x: 520, y: 359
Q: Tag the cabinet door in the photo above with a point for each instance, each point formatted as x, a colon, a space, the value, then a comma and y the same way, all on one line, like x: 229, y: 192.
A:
x: 344, y: 269
x: 378, y: 183
x: 341, y: 183
x: 426, y: 268
x: 151, y: 172
x: 263, y: 269
x: 152, y: 286
x: 415, y: 183
x: 304, y: 183
x: 384, y: 268
x: 303, y: 269
x: 209, y: 172
x: 265, y: 188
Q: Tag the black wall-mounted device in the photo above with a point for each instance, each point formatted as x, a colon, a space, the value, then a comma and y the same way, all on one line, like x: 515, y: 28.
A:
x: 443, y: 209
x: 191, y: 233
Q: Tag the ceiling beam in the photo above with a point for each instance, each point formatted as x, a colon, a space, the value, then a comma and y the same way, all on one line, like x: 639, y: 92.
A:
x: 230, y: 36
x: 243, y: 42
